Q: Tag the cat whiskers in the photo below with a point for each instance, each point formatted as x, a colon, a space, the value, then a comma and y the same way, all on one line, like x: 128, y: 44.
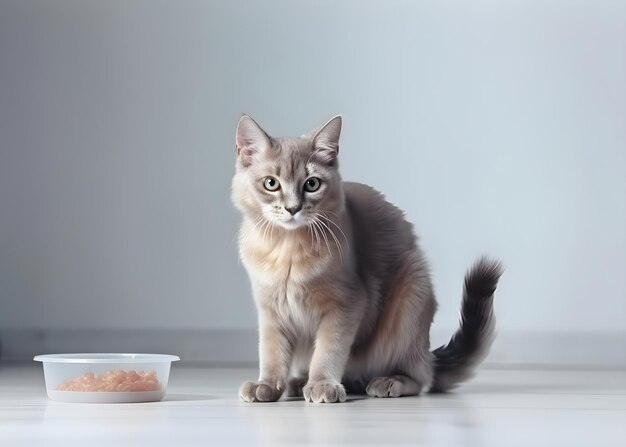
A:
x: 260, y: 226
x: 316, y: 223
x: 309, y: 227
x: 322, y: 225
x: 333, y: 222
x: 317, y: 236
x: 244, y: 240
x: 314, y: 236
x: 267, y: 226
x: 238, y: 234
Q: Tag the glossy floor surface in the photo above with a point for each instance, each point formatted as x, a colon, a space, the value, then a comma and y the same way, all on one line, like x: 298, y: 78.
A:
x: 500, y: 407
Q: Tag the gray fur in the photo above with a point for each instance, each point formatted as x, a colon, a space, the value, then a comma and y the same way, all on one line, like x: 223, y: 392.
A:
x: 342, y: 289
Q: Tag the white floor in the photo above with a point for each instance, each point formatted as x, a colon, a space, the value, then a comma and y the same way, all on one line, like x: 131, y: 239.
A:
x: 498, y: 408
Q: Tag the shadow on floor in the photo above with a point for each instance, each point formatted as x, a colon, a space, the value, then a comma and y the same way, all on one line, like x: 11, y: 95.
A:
x: 186, y: 397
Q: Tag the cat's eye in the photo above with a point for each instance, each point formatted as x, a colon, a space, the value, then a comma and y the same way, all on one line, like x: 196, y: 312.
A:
x: 271, y: 184
x: 312, y: 184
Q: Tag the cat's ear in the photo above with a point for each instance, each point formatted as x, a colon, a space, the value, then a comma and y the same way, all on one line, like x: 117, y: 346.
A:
x: 250, y: 140
x: 326, y: 140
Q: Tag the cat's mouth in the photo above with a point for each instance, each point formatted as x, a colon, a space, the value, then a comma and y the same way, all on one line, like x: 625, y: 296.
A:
x: 293, y: 223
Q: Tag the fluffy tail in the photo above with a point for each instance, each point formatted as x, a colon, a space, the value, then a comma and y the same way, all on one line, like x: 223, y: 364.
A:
x: 469, y: 345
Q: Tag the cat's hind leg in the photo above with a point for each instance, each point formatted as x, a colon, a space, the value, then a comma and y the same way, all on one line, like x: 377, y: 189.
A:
x: 393, y: 386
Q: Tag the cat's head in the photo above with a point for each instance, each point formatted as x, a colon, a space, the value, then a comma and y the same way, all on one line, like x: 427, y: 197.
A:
x: 287, y: 181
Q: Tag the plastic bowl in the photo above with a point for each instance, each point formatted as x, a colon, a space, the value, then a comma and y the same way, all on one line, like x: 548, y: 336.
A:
x: 119, y: 377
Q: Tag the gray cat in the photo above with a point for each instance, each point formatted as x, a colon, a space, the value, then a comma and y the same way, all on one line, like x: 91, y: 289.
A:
x: 342, y: 289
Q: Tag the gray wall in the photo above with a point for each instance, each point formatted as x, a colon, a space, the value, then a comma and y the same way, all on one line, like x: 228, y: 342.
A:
x: 498, y: 126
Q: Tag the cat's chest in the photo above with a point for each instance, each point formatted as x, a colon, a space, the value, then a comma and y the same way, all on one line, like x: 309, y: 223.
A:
x: 290, y: 278
x: 295, y: 307
x: 284, y: 264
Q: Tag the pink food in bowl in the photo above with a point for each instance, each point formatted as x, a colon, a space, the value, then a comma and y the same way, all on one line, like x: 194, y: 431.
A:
x: 113, y: 381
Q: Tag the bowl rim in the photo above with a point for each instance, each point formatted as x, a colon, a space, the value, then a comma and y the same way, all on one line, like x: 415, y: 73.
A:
x: 106, y: 358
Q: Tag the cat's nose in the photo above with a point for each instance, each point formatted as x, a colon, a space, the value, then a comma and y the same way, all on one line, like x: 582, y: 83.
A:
x: 293, y: 209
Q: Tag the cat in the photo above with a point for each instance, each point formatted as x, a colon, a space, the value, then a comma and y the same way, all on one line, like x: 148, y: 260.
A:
x: 342, y: 289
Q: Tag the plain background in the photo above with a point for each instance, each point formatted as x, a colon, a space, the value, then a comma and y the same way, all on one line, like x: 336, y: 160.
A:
x: 498, y: 126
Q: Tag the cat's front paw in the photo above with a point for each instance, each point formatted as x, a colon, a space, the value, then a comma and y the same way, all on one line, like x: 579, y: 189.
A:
x: 324, y: 391
x: 260, y: 391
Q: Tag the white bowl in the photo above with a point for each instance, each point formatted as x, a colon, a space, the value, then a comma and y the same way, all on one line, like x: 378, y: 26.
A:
x: 58, y: 369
